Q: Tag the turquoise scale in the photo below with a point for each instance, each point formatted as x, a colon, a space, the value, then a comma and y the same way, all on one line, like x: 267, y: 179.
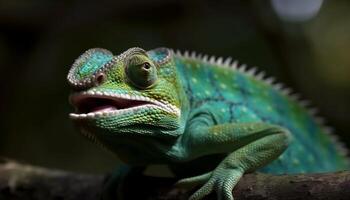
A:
x: 91, y: 61
x: 159, y: 55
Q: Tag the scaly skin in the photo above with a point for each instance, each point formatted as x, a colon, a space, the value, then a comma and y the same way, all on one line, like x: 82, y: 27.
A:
x: 157, y: 107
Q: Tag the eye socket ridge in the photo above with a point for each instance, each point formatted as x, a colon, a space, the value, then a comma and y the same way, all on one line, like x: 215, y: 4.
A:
x: 140, y: 72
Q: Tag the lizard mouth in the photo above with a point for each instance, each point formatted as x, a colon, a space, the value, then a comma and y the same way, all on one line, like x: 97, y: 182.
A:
x: 98, y: 104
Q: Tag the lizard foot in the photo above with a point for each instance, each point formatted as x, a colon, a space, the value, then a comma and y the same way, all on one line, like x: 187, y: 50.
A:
x: 221, y: 180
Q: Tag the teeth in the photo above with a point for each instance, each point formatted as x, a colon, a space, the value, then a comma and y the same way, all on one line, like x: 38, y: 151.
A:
x: 73, y: 115
x: 91, y: 114
x: 99, y: 114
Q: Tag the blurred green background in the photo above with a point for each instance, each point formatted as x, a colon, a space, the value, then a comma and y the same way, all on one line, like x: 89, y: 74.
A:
x: 304, y: 45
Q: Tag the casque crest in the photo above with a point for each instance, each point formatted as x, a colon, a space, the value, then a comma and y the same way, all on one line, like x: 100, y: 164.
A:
x: 97, y: 60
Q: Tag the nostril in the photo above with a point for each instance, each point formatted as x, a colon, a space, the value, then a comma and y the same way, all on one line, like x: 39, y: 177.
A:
x: 100, y: 78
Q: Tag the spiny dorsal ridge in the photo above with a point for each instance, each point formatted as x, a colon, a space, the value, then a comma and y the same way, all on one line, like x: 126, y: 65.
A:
x: 312, y: 111
x: 178, y: 52
x: 340, y: 146
x: 295, y: 97
x: 252, y: 71
x: 186, y: 54
x: 227, y: 62
x: 193, y: 55
x: 328, y: 129
x: 260, y: 76
x: 219, y: 61
x: 205, y: 58
x: 234, y: 65
x: 287, y: 91
x: 270, y: 80
x: 242, y: 68
x: 212, y: 60
x: 278, y: 86
x: 305, y: 103
x: 319, y: 120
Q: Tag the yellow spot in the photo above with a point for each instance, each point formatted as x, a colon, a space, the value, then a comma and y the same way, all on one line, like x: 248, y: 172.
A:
x: 215, y: 133
x: 281, y: 157
x: 295, y: 161
x: 223, y: 86
x: 194, y: 80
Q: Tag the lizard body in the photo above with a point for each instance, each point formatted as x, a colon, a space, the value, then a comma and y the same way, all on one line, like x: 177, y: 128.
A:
x: 158, y: 107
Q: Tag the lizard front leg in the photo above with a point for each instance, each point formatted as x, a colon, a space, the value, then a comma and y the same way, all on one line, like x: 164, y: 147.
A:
x: 250, y: 146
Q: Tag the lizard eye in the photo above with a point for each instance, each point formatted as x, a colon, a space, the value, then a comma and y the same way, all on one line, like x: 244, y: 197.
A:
x: 142, y: 75
x: 146, y: 66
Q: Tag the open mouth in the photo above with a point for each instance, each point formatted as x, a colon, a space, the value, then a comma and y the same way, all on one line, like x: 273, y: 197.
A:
x: 97, y: 104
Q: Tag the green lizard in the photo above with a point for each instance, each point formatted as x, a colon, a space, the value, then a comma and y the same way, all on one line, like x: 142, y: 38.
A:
x: 161, y: 107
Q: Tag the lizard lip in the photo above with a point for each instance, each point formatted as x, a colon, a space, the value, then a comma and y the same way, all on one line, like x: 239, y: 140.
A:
x: 93, y: 104
x: 100, y: 103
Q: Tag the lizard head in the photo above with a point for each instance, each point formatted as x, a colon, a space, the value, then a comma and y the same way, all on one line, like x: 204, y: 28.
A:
x: 135, y: 94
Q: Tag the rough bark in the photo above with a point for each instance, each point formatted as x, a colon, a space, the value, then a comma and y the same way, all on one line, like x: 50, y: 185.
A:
x: 20, y: 181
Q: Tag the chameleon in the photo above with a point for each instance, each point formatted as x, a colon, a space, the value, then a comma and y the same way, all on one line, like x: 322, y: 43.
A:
x: 210, y: 120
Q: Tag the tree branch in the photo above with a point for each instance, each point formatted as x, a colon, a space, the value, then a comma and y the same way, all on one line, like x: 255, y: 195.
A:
x: 20, y: 181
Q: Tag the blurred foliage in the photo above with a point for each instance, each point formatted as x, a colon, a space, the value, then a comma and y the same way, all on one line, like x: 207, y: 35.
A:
x: 39, y: 40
